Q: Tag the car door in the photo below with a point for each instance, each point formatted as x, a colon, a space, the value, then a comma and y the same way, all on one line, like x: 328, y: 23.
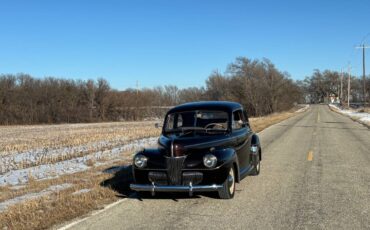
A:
x: 242, y: 134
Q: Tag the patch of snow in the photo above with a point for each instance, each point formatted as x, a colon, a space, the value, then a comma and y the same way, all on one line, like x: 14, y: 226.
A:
x: 34, y: 157
x: 363, y: 118
x: 17, y: 187
x: 303, y: 109
x: 31, y: 196
x: 85, y: 190
x: 48, y: 171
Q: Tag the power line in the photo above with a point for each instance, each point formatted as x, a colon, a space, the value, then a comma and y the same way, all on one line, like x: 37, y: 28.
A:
x: 364, y: 38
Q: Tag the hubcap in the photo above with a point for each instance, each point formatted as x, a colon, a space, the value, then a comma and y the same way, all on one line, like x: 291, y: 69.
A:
x: 231, y: 180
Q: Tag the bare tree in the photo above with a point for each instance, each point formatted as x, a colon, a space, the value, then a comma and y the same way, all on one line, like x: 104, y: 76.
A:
x: 258, y: 85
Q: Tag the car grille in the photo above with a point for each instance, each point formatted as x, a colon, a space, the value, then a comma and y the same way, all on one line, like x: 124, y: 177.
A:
x: 174, y: 169
x: 174, y: 174
x: 159, y: 178
x: 193, y: 177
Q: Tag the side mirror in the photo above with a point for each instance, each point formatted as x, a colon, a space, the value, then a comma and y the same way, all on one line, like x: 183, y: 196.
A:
x: 245, y: 124
x: 157, y: 125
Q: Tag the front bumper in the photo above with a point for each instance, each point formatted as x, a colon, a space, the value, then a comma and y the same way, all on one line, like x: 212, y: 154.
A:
x: 175, y: 188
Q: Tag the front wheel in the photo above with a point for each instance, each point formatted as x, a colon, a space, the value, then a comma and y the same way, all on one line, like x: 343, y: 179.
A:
x: 228, y: 187
x: 256, y: 165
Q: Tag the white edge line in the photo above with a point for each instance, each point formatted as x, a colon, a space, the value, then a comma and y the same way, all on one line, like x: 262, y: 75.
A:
x: 92, y: 214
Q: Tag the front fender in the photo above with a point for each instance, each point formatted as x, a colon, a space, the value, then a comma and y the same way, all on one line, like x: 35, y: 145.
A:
x: 232, y: 158
x: 256, y: 142
x: 155, y: 158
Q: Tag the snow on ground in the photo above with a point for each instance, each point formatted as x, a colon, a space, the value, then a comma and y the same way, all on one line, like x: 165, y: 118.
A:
x: 85, y: 190
x: 363, y: 118
x: 34, y: 157
x: 31, y: 196
x: 303, y: 109
x: 78, y: 164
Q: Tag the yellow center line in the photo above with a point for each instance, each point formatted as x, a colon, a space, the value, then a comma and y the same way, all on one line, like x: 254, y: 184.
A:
x: 318, y: 117
x: 310, y: 156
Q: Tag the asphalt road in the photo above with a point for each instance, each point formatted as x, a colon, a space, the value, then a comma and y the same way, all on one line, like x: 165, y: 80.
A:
x: 315, y: 174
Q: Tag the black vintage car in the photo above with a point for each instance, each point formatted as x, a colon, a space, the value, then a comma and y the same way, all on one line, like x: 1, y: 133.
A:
x: 204, y: 146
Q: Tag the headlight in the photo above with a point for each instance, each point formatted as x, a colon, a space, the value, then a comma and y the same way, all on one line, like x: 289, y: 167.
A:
x: 140, y: 161
x: 209, y: 160
x: 254, y: 149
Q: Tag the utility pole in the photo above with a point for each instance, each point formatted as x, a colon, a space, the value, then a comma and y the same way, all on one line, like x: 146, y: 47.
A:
x: 363, y: 47
x: 349, y: 83
x: 341, y: 85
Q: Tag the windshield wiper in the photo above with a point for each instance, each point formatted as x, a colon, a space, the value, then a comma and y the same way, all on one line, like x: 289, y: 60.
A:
x: 215, y: 130
x: 182, y: 129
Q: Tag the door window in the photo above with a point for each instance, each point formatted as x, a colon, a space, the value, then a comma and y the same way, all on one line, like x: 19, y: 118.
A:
x: 238, y: 120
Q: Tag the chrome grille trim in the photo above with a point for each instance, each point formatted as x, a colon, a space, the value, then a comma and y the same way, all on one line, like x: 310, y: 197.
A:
x: 172, y: 148
x: 174, y: 169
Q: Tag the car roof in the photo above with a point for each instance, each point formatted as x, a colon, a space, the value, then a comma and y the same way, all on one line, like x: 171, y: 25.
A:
x: 207, y: 105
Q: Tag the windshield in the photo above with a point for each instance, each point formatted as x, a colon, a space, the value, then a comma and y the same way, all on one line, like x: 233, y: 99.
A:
x: 199, y: 120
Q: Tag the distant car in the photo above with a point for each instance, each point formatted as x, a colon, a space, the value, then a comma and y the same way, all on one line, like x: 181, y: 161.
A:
x: 204, y: 147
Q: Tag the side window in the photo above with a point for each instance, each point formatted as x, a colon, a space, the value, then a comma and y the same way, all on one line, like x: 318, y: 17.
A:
x: 179, y: 120
x: 170, y: 121
x: 238, y: 120
x: 246, y: 117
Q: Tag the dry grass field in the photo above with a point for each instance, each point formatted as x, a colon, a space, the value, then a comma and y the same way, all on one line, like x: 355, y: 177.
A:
x: 22, y: 138
x: 260, y: 123
x: 54, y: 173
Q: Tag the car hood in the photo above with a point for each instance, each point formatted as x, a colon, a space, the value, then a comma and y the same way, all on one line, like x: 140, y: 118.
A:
x: 175, y: 145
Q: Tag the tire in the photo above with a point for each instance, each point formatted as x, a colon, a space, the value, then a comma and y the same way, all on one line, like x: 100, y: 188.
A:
x: 256, y: 165
x: 144, y: 194
x: 228, y: 187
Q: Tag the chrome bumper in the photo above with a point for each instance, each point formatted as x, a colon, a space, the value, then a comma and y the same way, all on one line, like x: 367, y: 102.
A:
x: 175, y: 188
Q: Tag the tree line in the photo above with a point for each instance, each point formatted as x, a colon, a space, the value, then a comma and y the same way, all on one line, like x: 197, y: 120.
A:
x: 318, y: 87
x: 257, y: 84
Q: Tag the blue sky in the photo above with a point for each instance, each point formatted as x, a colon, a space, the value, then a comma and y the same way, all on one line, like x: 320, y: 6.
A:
x: 177, y: 42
